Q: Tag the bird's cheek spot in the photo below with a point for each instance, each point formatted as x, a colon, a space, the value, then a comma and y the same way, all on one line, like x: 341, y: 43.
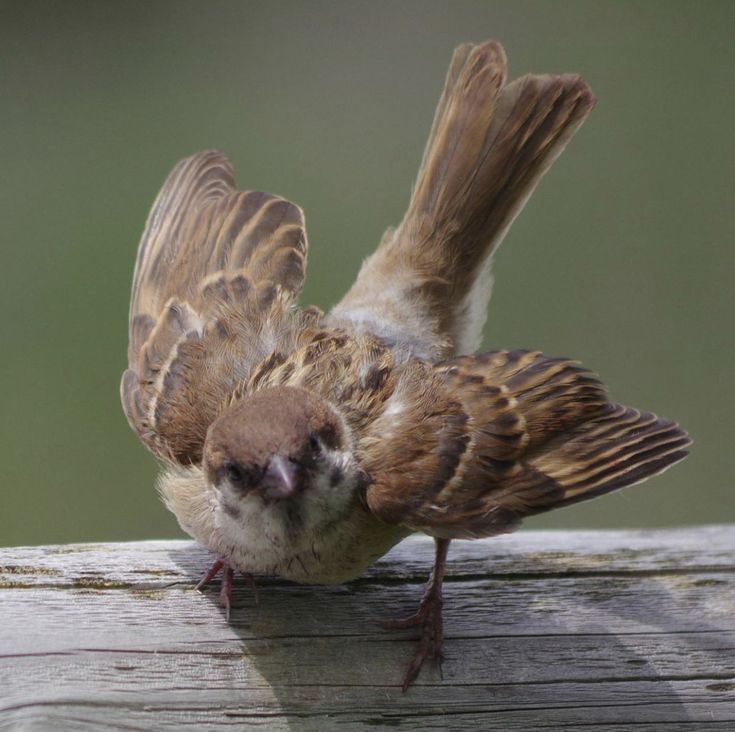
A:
x: 232, y: 511
x: 315, y: 444
x: 335, y: 477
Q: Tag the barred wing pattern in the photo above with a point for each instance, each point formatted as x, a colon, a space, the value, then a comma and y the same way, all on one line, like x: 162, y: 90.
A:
x: 217, y: 272
x: 504, y: 435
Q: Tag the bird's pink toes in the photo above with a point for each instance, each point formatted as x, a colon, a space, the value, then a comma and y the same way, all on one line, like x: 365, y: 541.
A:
x: 211, y: 573
x: 225, y: 592
x: 431, y: 643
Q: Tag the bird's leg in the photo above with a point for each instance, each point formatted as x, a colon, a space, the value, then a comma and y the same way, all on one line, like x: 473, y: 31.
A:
x: 428, y: 616
x: 225, y: 592
x: 211, y: 573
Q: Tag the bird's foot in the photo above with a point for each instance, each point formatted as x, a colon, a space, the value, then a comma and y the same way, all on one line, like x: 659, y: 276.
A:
x: 225, y: 592
x: 428, y: 617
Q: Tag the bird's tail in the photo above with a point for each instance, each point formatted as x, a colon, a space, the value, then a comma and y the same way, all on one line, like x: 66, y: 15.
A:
x: 489, y: 146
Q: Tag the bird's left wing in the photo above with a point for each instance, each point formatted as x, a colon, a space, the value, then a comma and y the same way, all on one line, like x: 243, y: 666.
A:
x: 471, y: 446
x: 216, y: 275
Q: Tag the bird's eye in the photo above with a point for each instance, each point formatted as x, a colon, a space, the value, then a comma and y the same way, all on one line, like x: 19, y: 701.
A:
x: 315, y: 443
x: 234, y: 472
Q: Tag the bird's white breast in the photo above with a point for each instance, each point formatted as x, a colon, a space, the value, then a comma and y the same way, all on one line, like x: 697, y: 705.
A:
x: 326, y: 538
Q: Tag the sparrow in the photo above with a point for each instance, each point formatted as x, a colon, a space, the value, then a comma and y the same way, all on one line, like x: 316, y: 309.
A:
x: 306, y: 444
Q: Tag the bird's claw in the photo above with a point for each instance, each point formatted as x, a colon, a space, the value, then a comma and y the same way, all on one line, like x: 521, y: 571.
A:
x: 210, y: 574
x: 429, y: 618
x: 225, y: 592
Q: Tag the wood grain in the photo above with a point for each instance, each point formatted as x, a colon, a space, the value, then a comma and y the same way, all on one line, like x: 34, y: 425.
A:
x: 545, y: 630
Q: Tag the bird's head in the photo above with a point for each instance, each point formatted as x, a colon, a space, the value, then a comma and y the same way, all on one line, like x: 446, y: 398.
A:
x: 279, y: 447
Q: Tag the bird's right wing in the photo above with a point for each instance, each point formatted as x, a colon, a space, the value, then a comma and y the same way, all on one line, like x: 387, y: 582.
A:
x: 427, y: 286
x: 471, y: 446
x: 217, y: 272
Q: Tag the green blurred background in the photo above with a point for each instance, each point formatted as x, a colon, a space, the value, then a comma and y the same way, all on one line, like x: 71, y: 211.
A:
x: 623, y: 258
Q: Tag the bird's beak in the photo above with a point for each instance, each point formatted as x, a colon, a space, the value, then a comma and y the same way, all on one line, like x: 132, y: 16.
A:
x: 280, y: 479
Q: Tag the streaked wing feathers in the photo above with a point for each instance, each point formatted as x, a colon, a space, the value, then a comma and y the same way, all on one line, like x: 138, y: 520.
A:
x: 216, y: 274
x: 201, y: 224
x: 523, y: 433
x: 621, y: 447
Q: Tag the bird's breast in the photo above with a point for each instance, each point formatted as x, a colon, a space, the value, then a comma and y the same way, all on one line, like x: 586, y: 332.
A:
x: 319, y: 542
x: 290, y: 545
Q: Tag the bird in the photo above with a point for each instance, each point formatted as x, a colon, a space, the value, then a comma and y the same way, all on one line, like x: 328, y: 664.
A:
x: 306, y: 444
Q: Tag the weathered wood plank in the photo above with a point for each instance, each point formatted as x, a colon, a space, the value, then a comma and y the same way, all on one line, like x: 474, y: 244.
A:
x: 616, y: 630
